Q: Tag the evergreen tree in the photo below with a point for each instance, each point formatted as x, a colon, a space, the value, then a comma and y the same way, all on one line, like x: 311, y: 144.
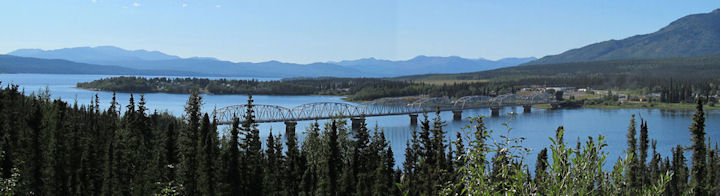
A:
x: 232, y: 179
x: 541, y: 166
x: 273, y: 161
x: 643, y: 148
x: 712, y: 172
x: 361, y: 161
x: 459, y: 159
x: 188, y: 142
x: 109, y: 175
x: 438, y: 146
x: 426, y: 165
x: 654, y: 165
x: 678, y: 183
x: 697, y: 130
x: 167, y: 153
x: 384, y: 173
x: 333, y: 159
x: 208, y: 154
x: 409, y: 174
x: 632, y: 174
x: 293, y: 166
x: 253, y: 152
x: 35, y: 162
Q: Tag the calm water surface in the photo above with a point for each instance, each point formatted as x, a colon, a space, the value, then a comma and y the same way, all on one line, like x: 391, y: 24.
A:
x: 669, y: 128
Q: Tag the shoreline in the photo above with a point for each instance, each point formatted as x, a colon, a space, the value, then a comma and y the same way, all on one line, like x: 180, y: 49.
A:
x: 659, y: 106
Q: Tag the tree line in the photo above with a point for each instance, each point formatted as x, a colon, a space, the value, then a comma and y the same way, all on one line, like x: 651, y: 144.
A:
x: 50, y: 147
x: 357, y: 89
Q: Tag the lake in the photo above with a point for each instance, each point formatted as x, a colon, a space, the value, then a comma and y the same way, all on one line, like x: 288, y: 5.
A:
x: 669, y: 128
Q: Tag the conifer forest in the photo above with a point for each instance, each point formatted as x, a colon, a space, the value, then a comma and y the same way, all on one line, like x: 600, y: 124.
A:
x: 52, y: 147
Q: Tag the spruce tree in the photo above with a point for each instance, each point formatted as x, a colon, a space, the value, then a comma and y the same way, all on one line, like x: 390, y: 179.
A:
x: 541, y: 166
x: 410, y: 165
x: 333, y: 159
x: 678, y: 182
x: 35, y: 162
x: 643, y: 148
x: 253, y: 151
x: 272, y: 165
x: 632, y: 174
x: 188, y: 142
x: 293, y: 166
x: 427, y: 161
x: 384, y: 173
x: 109, y: 175
x: 712, y: 163
x: 207, y: 154
x: 361, y: 160
x: 655, y: 161
x: 459, y: 159
x: 232, y: 179
x: 697, y: 130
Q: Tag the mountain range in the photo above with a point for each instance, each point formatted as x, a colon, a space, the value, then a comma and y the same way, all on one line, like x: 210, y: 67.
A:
x: 15, y: 64
x: 369, y: 67
x: 429, y: 64
x: 692, y: 35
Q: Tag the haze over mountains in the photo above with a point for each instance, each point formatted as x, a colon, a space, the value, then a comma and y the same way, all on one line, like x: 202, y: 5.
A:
x: 692, y: 35
x: 15, y: 64
x: 370, y: 67
x: 430, y: 64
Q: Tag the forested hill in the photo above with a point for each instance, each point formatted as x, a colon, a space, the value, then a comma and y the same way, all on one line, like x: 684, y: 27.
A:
x: 356, y: 89
x: 693, y: 35
x: 615, y: 73
x: 15, y: 64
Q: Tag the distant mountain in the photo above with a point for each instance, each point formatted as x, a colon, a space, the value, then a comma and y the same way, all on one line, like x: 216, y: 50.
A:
x: 94, y: 55
x: 429, y: 64
x: 154, y: 60
x: 15, y: 64
x: 693, y: 35
x: 624, y: 73
x: 370, y: 67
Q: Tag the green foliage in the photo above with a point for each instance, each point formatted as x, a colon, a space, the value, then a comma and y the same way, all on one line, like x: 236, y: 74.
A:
x: 358, y: 89
x: 61, y: 149
x: 699, y: 155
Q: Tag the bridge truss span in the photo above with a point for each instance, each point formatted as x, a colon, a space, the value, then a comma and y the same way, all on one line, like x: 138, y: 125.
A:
x: 380, y: 107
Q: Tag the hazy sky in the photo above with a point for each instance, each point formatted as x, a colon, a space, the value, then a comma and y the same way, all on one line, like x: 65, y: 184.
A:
x: 306, y: 31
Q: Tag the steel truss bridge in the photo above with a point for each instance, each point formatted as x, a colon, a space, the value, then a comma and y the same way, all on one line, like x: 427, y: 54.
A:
x: 380, y: 107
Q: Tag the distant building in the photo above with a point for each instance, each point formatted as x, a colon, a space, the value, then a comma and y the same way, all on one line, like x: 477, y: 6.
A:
x: 556, y: 89
x: 584, y: 90
x: 623, y: 97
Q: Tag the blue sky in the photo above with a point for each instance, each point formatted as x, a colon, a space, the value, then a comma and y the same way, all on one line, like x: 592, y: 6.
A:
x: 305, y: 31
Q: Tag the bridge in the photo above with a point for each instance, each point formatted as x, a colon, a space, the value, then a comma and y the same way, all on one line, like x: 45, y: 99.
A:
x: 380, y: 107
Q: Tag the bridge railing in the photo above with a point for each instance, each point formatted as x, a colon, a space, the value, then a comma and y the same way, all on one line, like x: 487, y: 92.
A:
x: 388, y: 106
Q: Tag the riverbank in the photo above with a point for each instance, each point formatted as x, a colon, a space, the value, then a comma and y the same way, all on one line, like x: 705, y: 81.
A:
x: 661, y: 106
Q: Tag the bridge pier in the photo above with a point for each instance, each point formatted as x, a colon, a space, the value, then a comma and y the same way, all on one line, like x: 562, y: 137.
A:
x: 413, y: 119
x: 527, y: 108
x: 457, y: 115
x: 495, y: 111
x: 356, y: 121
x: 290, y: 127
